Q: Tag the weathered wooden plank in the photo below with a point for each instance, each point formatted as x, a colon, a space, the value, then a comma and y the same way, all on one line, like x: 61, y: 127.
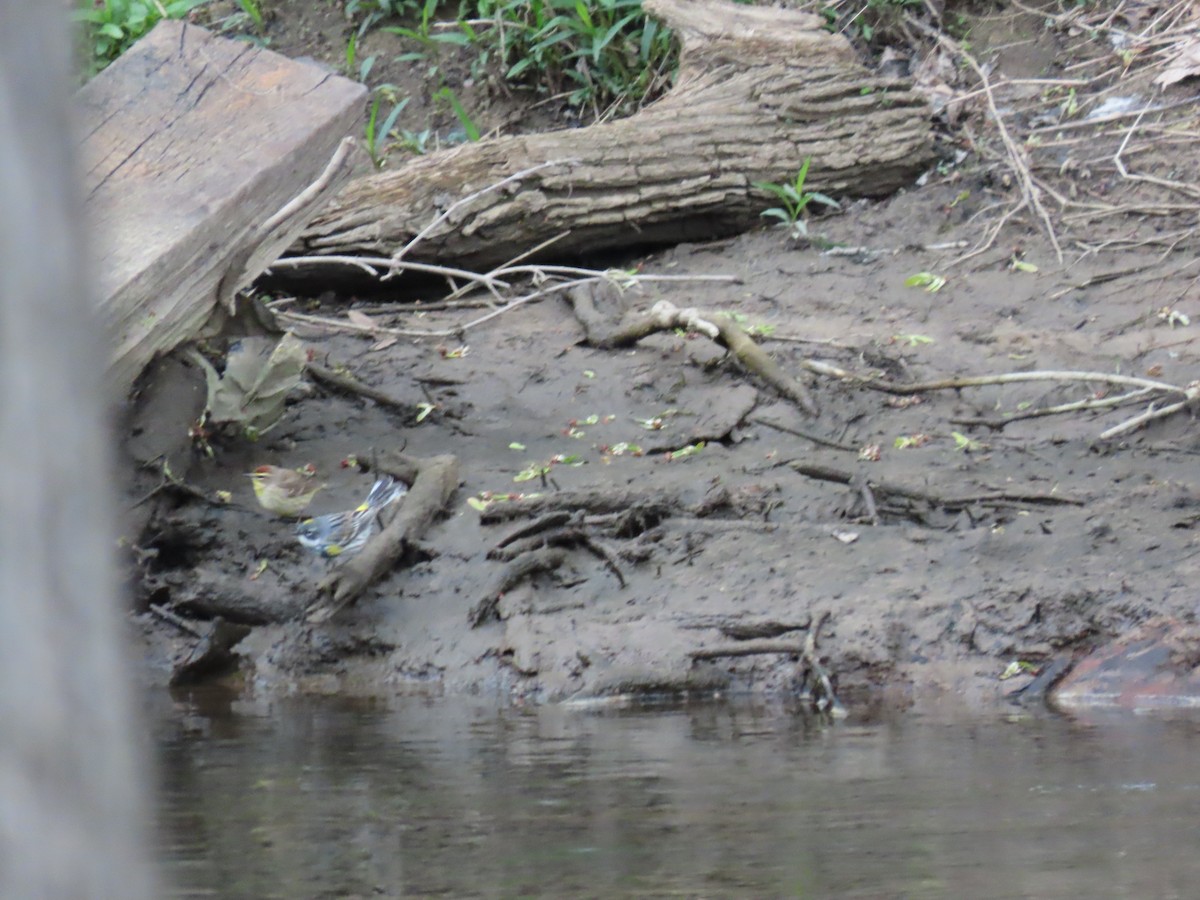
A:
x: 190, y: 142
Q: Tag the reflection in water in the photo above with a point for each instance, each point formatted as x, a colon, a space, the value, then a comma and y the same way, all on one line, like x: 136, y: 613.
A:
x: 458, y: 799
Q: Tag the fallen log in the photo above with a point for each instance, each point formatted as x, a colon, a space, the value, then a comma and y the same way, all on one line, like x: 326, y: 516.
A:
x: 758, y: 91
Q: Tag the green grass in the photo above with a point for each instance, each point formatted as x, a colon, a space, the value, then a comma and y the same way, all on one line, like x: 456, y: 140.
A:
x: 601, y: 55
x: 111, y: 26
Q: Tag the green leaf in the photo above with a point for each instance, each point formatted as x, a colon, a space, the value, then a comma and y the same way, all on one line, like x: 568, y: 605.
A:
x: 461, y: 112
x: 932, y: 283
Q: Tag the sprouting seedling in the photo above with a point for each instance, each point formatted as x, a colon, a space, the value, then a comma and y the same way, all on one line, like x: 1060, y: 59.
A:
x: 423, y: 411
x: 685, y: 452
x: 912, y: 340
x: 931, y: 282
x: 1020, y: 265
x: 910, y: 441
x: 794, y: 200
x: 376, y: 134
x: 252, y: 9
x: 964, y: 444
x: 542, y: 469
x: 743, y: 321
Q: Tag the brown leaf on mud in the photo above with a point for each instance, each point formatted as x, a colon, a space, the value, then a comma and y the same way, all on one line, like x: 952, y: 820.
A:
x: 1185, y: 64
x: 361, y: 319
x: 383, y: 344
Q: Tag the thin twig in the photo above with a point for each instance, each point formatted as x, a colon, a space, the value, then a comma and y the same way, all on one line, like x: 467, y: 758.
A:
x: 1077, y: 406
x: 1190, y: 395
x: 919, y: 387
x: 1031, y: 191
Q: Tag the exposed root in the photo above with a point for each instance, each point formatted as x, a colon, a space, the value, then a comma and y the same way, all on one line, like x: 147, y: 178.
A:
x: 665, y: 316
x: 434, y: 481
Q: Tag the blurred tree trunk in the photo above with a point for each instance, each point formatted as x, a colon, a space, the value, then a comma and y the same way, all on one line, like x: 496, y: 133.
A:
x: 71, y: 813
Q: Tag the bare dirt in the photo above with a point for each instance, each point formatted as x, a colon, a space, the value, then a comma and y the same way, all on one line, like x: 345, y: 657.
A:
x: 928, y: 600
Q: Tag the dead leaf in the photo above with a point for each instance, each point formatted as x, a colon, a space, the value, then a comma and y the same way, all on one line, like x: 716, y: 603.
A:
x: 361, y: 319
x: 383, y: 344
x: 1185, y: 65
x: 259, y: 374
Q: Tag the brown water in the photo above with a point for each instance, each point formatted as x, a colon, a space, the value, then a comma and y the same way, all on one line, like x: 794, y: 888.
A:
x: 456, y: 799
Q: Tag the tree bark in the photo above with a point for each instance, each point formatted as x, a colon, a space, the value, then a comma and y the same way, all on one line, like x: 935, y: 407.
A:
x: 759, y: 91
x: 73, y: 815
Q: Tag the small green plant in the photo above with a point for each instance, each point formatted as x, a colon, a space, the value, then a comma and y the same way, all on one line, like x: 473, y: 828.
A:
x: 254, y: 11
x: 375, y: 134
x: 542, y: 470
x: 111, y: 26
x: 685, y: 451
x: 375, y: 10
x: 742, y: 320
x: 911, y: 441
x: 425, y: 35
x: 416, y: 142
x: 460, y: 111
x: 964, y: 444
x: 912, y: 340
x: 795, y: 201
x: 602, y: 54
x: 931, y: 282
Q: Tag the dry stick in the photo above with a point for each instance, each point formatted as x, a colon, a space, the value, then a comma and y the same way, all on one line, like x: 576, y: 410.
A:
x: 601, y: 552
x: 274, y: 235
x: 436, y: 480
x: 548, y: 559
x: 457, y: 331
x: 1090, y: 403
x: 545, y: 523
x: 351, y: 385
x: 1187, y: 189
x: 919, y: 387
x: 747, y: 648
x: 1114, y: 117
x: 808, y: 436
x: 840, y: 476
x: 345, y: 325
x: 172, y: 618
x: 819, y: 671
x: 372, y: 264
x: 665, y: 316
x: 1031, y: 191
x: 1102, y: 278
x: 1190, y: 395
x: 525, y: 254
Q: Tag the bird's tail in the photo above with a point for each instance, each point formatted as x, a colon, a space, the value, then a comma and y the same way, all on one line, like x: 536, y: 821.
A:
x: 384, y: 492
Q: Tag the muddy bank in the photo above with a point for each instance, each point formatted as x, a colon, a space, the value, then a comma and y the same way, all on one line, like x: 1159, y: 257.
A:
x: 1009, y: 539
x: 926, y: 600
